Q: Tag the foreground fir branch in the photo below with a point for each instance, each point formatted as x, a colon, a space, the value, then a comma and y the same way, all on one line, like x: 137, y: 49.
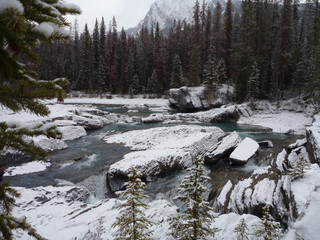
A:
x: 131, y: 223
x: 196, y: 215
x: 23, y: 25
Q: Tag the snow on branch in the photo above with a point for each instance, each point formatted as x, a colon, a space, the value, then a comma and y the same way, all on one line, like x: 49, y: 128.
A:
x: 5, y: 4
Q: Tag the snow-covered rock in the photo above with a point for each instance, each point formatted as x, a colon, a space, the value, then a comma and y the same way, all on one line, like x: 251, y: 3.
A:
x: 49, y: 144
x: 224, y: 114
x: 31, y: 167
x: 222, y: 149
x: 160, y: 150
x: 306, y: 193
x: 244, y: 151
x: 313, y: 138
x: 191, y: 99
x: 72, y: 132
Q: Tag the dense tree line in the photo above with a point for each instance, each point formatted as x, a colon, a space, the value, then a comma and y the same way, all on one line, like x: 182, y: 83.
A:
x: 277, y: 40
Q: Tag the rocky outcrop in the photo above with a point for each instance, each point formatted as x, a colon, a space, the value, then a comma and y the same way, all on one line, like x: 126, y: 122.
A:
x: 192, y: 99
x: 221, y: 149
x: 244, y: 151
x: 269, y: 185
x: 160, y: 150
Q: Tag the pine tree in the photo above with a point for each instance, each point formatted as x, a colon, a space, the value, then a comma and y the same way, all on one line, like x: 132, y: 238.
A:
x: 131, y: 222
x: 242, y: 230
x: 196, y: 215
x: 253, y: 83
x: 298, y: 170
x: 177, y: 74
x: 269, y: 229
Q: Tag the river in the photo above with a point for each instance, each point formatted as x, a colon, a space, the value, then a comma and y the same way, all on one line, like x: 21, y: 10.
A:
x: 96, y: 156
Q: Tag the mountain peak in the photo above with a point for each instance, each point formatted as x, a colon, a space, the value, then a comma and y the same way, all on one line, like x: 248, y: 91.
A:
x: 165, y: 11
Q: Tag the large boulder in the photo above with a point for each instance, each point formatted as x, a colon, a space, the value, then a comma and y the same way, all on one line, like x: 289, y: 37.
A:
x: 224, y: 114
x: 244, y: 151
x: 192, y: 99
x: 222, y: 149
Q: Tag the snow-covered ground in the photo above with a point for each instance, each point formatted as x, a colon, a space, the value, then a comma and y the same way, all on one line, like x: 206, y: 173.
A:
x: 283, y: 122
x: 128, y: 102
x: 68, y: 212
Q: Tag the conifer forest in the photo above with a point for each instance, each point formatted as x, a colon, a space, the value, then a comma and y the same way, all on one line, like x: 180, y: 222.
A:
x: 280, y: 39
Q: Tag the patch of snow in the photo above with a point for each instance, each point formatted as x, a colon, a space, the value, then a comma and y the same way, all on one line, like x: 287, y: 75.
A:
x: 262, y: 170
x: 282, y: 122
x: 228, y: 222
x: 306, y: 193
x: 128, y: 102
x: 5, y: 4
x: 31, y: 167
x: 263, y: 192
x: 223, y: 194
x: 244, y: 151
x: 280, y: 159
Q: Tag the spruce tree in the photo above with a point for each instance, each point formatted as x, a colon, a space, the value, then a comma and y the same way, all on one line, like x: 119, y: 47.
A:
x: 253, y: 83
x: 269, y: 229
x: 193, y: 223
x: 153, y: 84
x: 177, y: 74
x: 86, y: 61
x: 131, y: 223
x: 242, y: 230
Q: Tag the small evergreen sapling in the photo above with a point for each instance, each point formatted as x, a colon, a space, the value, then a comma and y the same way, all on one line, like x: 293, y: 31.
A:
x: 242, y: 230
x: 269, y: 229
x: 196, y: 216
x: 131, y: 222
x: 298, y: 170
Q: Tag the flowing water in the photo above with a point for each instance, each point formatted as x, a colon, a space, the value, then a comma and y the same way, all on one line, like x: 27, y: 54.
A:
x: 93, y: 157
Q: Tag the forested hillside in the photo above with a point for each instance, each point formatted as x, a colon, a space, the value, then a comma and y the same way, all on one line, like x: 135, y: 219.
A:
x: 266, y: 50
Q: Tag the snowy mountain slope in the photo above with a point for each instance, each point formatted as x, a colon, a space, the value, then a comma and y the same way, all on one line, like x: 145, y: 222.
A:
x: 165, y: 11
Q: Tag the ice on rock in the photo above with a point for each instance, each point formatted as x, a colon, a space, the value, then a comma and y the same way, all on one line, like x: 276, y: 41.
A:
x: 245, y: 150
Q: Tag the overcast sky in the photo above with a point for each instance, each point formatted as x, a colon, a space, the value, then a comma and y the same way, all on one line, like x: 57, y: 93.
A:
x: 128, y: 13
